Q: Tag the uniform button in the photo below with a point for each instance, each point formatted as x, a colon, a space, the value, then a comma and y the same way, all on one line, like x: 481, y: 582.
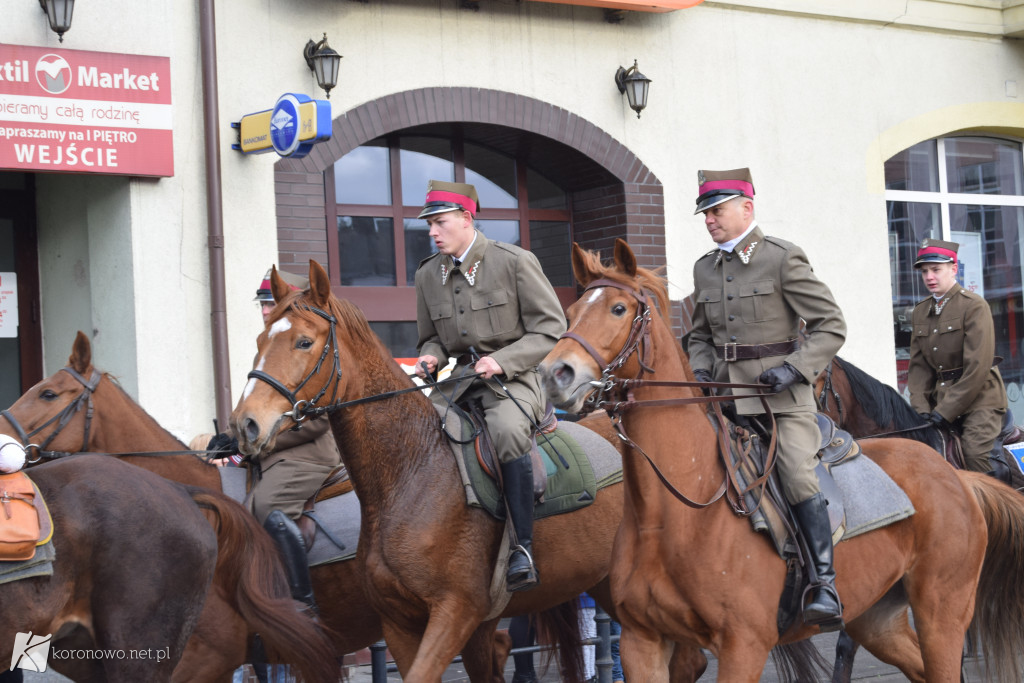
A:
x: 728, y: 278
x: 732, y: 317
x: 490, y: 303
x: 942, y: 384
x: 729, y: 297
x: 464, y: 333
x: 732, y: 338
x: 935, y: 348
x: 755, y: 291
x: 462, y: 310
x: 728, y: 257
x: 458, y: 289
x: 935, y: 331
x: 950, y: 327
x: 707, y: 298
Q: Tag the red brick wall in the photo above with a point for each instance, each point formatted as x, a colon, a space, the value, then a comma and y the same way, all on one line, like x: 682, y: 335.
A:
x: 633, y: 208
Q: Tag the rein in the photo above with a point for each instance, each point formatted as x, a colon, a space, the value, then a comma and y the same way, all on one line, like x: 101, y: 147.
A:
x: 615, y: 396
x: 62, y: 418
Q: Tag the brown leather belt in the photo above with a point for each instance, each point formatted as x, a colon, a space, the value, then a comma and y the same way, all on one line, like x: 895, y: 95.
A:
x: 950, y: 375
x: 464, y: 359
x: 730, y: 352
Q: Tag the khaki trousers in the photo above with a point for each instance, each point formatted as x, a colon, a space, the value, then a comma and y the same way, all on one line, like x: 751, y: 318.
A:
x: 978, y: 432
x: 798, y: 442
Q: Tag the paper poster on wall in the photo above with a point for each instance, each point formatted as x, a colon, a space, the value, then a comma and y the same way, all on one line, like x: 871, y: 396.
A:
x: 969, y: 256
x: 8, y: 305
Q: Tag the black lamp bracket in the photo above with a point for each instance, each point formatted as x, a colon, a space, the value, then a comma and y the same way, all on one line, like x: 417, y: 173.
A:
x: 621, y: 74
x: 311, y: 49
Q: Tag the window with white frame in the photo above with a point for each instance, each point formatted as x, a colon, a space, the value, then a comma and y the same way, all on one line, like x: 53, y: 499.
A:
x: 970, y: 190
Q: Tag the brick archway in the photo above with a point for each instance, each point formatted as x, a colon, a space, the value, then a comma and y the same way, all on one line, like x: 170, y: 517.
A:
x: 620, y: 198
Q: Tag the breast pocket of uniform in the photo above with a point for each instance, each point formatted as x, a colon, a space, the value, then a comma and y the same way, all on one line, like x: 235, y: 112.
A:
x: 756, y: 299
x: 444, y: 323
x: 951, y: 336
x: 493, y: 314
x: 711, y: 301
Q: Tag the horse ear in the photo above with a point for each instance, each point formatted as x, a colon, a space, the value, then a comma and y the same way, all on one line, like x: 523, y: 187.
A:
x: 81, y: 353
x: 579, y: 265
x: 278, y: 287
x: 319, y: 284
x: 624, y: 257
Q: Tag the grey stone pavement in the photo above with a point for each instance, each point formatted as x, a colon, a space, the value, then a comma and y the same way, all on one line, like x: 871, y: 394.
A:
x: 866, y: 668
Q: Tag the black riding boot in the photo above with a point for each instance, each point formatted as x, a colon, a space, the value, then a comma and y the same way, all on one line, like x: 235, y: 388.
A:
x: 824, y: 609
x: 293, y: 553
x: 518, y: 482
x: 997, y: 458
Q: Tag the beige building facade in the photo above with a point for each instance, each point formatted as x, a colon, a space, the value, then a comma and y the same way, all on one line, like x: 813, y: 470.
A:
x: 815, y: 96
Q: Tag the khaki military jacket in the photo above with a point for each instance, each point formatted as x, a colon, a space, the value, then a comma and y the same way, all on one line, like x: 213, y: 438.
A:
x: 498, y: 301
x: 962, y: 335
x: 758, y: 294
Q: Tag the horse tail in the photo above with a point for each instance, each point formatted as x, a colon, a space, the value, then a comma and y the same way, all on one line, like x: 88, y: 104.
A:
x: 250, y: 575
x: 560, y: 626
x: 799, y: 661
x: 999, y: 608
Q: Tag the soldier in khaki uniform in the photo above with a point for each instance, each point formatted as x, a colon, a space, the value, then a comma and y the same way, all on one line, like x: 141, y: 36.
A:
x: 952, y: 377
x: 493, y: 297
x: 752, y: 292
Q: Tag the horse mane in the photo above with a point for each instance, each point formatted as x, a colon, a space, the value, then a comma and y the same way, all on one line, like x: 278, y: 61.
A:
x: 652, y: 280
x: 114, y: 382
x: 883, y: 404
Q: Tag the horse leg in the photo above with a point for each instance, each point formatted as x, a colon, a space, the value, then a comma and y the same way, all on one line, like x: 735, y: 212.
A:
x: 645, y: 655
x: 742, y: 658
x: 483, y: 662
x: 687, y: 664
x: 885, y: 630
x: 846, y: 648
x: 423, y: 657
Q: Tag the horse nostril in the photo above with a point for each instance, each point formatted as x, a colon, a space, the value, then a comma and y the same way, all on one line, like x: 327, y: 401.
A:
x: 251, y: 430
x: 563, y: 374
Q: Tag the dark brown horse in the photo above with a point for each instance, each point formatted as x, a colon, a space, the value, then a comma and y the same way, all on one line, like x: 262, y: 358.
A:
x: 697, y: 571
x: 428, y: 558
x: 134, y: 561
x: 250, y: 588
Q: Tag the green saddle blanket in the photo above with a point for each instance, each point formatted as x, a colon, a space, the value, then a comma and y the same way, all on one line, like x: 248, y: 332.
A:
x: 569, y: 488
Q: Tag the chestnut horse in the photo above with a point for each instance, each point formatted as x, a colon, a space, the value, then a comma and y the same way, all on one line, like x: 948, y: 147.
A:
x: 699, y: 572
x: 134, y: 561
x: 427, y: 557
x: 251, y: 594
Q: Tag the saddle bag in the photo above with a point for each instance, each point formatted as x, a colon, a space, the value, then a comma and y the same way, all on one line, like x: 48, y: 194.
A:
x: 19, y: 520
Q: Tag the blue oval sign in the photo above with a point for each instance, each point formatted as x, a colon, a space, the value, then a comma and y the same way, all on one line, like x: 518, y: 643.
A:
x: 284, y: 125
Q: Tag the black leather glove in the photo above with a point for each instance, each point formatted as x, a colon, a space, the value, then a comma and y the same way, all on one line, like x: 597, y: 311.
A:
x: 937, y: 421
x: 781, y: 377
x: 222, y: 446
x: 702, y: 375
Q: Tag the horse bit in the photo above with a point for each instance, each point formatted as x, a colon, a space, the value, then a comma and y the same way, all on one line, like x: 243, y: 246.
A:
x: 62, y: 418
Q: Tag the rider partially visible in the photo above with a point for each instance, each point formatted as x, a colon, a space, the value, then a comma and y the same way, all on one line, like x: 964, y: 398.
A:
x: 952, y: 376
x: 493, y: 298
x: 280, y: 482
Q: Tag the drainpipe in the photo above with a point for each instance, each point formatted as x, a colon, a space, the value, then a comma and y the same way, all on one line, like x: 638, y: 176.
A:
x: 214, y: 215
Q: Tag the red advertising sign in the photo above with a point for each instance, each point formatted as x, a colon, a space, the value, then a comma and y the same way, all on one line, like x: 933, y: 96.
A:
x: 85, y: 112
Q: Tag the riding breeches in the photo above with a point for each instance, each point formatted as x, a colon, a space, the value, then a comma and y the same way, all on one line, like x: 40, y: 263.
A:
x: 798, y: 441
x: 978, y: 432
x: 510, y: 429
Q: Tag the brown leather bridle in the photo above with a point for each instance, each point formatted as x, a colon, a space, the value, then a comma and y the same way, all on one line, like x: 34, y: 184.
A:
x: 615, y: 395
x: 62, y: 418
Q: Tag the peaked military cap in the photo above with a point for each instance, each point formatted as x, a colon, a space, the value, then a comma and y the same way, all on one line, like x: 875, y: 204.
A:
x: 442, y: 196
x: 936, y: 251
x: 716, y: 187
x: 294, y: 281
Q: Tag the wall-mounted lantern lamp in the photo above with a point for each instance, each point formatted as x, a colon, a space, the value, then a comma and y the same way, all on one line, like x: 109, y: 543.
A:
x: 58, y: 13
x: 324, y: 62
x: 635, y: 85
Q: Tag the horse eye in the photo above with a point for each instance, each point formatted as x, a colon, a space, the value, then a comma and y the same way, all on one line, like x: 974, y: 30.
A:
x: 618, y: 309
x: 304, y: 344
x: 47, y: 395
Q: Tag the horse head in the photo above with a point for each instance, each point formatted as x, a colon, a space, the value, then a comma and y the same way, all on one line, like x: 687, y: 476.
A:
x: 608, y: 327
x: 41, y: 415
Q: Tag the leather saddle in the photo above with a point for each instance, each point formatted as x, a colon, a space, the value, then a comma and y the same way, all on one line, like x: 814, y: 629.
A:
x: 337, y: 483
x: 486, y: 454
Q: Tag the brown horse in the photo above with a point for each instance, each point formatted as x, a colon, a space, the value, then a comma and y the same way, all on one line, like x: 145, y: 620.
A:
x: 698, y: 571
x: 250, y: 593
x: 134, y: 561
x: 428, y: 558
